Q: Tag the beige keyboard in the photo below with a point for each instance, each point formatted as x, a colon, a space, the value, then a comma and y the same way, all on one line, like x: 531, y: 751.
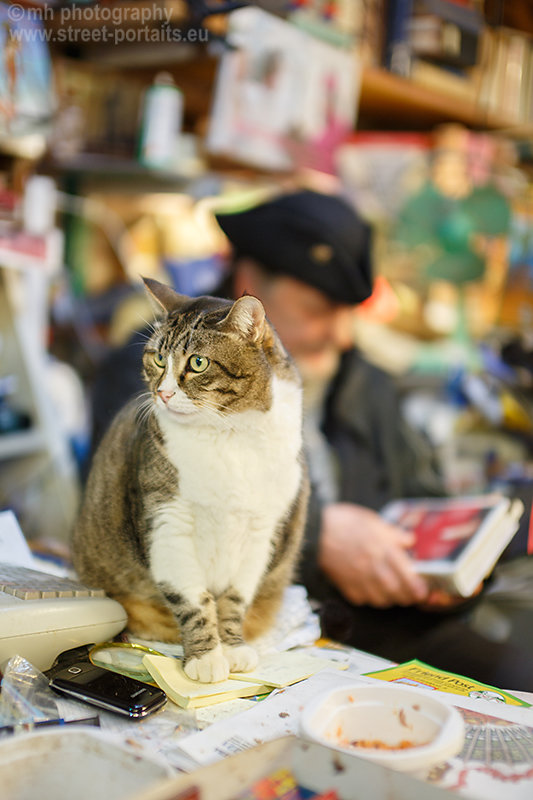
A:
x: 41, y: 615
x: 30, y: 584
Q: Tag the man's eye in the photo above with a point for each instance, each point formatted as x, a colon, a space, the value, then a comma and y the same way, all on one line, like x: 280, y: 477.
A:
x: 198, y: 363
x: 160, y: 360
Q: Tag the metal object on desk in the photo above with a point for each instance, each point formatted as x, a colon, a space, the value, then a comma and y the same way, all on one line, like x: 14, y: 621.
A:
x: 126, y: 658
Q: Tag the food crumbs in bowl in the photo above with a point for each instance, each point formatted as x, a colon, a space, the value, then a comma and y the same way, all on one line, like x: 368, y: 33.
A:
x: 373, y: 744
x: 402, y: 718
x: 376, y: 744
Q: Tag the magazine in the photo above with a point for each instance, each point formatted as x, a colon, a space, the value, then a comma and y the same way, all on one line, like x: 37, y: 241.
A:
x: 283, y: 98
x: 458, y: 540
x: 423, y: 676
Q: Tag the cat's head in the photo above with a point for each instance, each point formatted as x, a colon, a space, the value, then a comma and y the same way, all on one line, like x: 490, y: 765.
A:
x: 211, y: 356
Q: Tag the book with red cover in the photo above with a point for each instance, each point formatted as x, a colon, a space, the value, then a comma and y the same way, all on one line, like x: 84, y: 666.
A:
x: 458, y: 540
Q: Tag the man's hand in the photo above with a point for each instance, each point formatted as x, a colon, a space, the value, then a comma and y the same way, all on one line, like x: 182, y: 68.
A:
x: 439, y: 600
x: 366, y: 558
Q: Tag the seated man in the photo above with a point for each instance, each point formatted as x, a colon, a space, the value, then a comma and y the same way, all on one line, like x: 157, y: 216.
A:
x: 307, y: 257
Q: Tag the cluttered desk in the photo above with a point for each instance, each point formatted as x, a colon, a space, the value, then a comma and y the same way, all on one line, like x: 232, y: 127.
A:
x: 313, y: 719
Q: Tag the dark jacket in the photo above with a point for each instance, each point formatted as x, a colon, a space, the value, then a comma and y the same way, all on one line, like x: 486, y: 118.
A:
x: 379, y: 457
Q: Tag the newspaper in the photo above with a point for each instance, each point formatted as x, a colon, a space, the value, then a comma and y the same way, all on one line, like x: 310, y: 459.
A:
x: 497, y: 756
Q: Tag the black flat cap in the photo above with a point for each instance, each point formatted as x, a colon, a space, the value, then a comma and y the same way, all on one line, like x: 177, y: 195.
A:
x: 317, y: 238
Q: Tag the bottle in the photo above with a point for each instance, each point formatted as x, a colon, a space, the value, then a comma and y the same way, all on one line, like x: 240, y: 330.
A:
x: 39, y: 205
x: 161, y: 122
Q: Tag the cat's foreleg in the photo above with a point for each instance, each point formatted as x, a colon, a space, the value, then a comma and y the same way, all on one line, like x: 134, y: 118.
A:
x: 234, y: 602
x: 204, y: 658
x: 231, y: 609
x: 178, y: 575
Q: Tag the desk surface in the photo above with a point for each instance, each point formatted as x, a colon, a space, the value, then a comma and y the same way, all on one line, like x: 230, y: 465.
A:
x: 201, y: 742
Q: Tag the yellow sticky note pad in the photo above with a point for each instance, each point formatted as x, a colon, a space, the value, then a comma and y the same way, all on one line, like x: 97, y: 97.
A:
x: 168, y: 673
x: 282, y: 669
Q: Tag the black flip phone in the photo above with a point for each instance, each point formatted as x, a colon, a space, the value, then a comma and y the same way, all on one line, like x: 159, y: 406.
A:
x: 105, y: 689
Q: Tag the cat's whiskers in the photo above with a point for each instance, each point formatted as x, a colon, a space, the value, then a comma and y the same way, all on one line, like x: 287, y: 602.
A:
x: 221, y: 416
x: 147, y: 405
x: 145, y: 415
x: 152, y: 325
x: 142, y: 335
x: 144, y: 397
x: 145, y: 408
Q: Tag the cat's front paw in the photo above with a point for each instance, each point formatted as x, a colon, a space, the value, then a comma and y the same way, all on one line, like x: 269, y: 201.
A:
x: 211, y: 667
x: 241, y: 657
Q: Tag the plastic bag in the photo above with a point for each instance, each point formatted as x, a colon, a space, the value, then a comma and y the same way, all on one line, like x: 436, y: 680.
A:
x: 25, y: 696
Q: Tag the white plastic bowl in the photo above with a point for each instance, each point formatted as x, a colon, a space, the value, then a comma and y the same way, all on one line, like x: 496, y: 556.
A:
x: 389, y: 716
x: 85, y: 764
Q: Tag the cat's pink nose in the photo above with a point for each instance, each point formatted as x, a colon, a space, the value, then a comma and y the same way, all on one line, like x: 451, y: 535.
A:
x: 164, y: 395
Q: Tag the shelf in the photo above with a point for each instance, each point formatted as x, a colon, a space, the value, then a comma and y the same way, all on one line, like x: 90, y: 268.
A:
x: 112, y: 169
x: 118, y: 171
x: 391, y: 99
x: 22, y: 443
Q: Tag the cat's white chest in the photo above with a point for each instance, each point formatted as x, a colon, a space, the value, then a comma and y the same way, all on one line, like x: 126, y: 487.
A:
x: 237, y: 483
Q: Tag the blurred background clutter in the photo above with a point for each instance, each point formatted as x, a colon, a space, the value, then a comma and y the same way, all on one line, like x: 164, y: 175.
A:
x: 125, y: 126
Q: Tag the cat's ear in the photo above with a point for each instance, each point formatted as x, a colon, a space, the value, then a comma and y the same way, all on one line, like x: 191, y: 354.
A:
x: 247, y: 318
x: 167, y: 298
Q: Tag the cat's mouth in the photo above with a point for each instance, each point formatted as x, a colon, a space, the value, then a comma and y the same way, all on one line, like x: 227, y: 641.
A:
x: 179, y: 413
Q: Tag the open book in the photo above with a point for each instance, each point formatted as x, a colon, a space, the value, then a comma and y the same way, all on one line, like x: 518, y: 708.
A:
x: 458, y: 540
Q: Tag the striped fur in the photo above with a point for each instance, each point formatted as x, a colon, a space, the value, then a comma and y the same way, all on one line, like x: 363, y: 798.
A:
x: 195, y: 505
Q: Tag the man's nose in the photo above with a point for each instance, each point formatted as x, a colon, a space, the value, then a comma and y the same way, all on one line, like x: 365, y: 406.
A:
x: 165, y: 395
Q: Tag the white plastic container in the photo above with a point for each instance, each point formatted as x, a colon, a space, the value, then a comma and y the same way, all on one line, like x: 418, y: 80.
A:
x: 74, y: 763
x: 161, y: 123
x: 411, y: 730
x: 39, y: 205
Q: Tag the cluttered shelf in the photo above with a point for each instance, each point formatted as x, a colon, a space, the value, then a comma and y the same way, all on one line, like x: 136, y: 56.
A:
x: 103, y: 172
x: 390, y: 97
x: 385, y: 99
x: 102, y: 169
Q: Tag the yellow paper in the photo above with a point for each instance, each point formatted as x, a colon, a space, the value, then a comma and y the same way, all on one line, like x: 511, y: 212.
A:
x: 168, y: 673
x: 283, y: 669
x: 416, y: 673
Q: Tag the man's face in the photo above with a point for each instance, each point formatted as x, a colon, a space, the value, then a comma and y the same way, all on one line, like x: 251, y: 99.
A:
x: 313, y: 328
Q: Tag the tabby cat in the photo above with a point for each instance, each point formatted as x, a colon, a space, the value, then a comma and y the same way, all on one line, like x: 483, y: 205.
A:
x: 194, y: 508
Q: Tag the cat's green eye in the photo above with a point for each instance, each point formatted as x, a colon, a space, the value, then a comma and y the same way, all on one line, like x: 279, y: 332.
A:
x: 160, y: 360
x: 198, y: 363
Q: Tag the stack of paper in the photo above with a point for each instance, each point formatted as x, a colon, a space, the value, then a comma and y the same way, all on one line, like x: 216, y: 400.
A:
x: 273, y: 672
x: 168, y: 673
x: 278, y: 670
